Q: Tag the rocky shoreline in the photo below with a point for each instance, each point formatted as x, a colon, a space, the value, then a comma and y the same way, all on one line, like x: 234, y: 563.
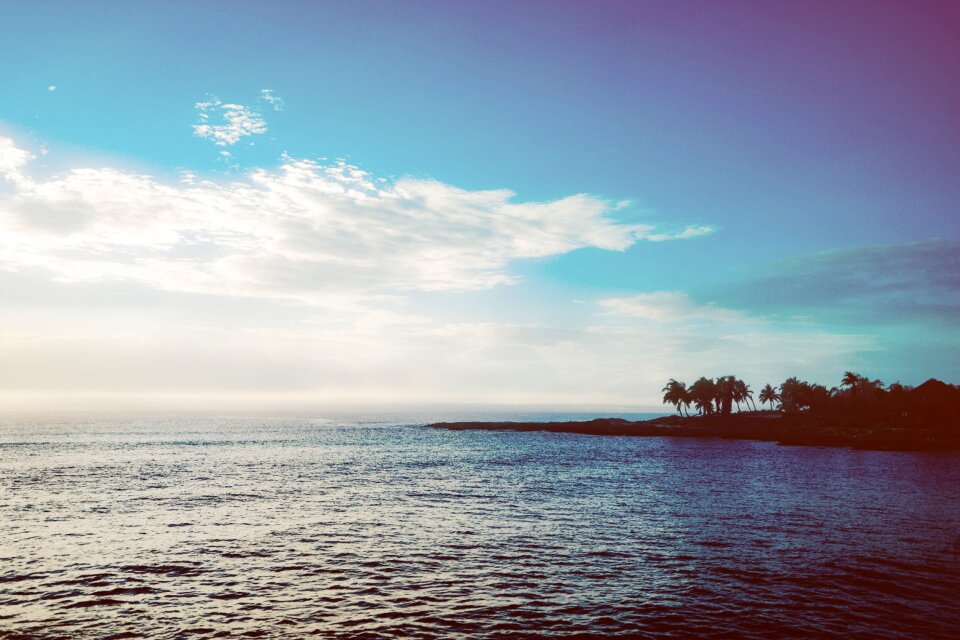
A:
x: 771, y: 426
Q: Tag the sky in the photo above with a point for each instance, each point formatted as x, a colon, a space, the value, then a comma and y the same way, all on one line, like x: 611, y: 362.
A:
x: 297, y: 204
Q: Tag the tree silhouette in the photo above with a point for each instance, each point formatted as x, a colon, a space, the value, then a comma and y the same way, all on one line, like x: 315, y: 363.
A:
x: 850, y: 379
x: 703, y: 393
x: 676, y: 393
x: 726, y: 389
x: 742, y: 393
x: 769, y: 395
x: 862, y: 387
x: 790, y: 394
x: 858, y: 402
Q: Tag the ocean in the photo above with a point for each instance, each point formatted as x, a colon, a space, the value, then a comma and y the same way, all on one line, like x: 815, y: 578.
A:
x: 374, y: 526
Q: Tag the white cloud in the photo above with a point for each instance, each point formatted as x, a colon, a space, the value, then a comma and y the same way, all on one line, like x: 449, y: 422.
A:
x: 304, y: 230
x: 238, y: 121
x: 12, y: 160
x: 276, y: 102
x: 52, y: 87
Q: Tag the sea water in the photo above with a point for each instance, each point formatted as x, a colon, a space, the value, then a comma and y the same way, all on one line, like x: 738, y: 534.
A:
x: 206, y: 526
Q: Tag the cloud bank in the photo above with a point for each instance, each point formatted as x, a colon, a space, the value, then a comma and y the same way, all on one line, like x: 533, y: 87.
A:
x: 302, y: 230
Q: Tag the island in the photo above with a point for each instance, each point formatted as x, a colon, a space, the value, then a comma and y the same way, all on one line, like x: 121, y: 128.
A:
x: 861, y: 414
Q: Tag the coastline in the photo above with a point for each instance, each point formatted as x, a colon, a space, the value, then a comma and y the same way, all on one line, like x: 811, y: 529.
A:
x: 784, y: 429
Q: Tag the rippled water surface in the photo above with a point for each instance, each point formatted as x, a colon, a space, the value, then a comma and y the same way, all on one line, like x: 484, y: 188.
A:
x: 208, y: 527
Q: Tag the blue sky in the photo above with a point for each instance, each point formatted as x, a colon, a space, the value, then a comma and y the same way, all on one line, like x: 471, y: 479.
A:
x: 778, y: 180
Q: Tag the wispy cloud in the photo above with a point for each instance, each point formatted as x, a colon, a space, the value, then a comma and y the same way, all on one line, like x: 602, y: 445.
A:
x: 691, y: 231
x: 907, y: 297
x: 879, y: 284
x: 236, y: 121
x: 668, y: 306
x: 302, y: 230
x: 276, y: 102
x: 680, y: 337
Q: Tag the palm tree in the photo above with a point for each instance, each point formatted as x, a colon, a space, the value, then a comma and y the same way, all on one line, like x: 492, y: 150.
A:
x: 742, y: 393
x: 738, y: 396
x: 769, y: 395
x: 850, y: 379
x: 675, y: 393
x: 861, y: 386
x: 724, y: 391
x: 792, y: 393
x: 687, y: 399
x: 871, y: 390
x: 702, y: 394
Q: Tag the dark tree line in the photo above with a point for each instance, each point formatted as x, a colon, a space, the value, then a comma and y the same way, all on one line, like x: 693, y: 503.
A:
x: 856, y: 395
x: 709, y: 396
